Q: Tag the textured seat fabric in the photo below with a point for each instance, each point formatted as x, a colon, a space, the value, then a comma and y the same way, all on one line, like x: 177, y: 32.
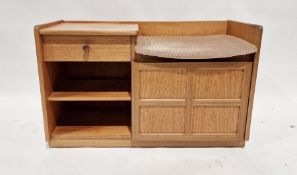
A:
x: 193, y: 47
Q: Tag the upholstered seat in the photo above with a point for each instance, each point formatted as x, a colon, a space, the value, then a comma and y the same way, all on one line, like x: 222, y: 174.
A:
x: 193, y: 47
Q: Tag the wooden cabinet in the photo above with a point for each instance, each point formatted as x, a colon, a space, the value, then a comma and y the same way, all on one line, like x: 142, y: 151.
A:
x: 99, y: 89
x: 190, y: 101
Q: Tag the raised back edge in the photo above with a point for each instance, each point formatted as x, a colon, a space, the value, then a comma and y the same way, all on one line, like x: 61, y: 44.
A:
x: 253, y: 34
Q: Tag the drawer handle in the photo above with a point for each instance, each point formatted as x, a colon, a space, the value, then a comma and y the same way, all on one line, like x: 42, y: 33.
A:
x: 86, y: 49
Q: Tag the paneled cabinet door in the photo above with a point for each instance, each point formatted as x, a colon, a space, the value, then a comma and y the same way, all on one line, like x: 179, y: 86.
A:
x: 204, y: 101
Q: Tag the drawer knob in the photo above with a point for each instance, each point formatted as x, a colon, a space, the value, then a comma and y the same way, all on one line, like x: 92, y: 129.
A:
x: 86, y: 49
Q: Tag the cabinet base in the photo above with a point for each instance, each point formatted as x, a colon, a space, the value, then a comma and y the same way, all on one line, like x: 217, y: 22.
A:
x: 189, y: 144
x: 77, y: 143
x: 68, y: 143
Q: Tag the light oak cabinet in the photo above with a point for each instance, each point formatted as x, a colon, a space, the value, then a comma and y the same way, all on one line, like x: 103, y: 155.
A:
x: 97, y: 90
x: 190, y: 101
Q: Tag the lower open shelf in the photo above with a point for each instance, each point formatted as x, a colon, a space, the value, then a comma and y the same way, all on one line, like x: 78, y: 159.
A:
x: 91, y: 136
x: 91, y: 124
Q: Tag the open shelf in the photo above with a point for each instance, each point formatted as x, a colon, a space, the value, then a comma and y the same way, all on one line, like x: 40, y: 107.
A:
x: 91, y: 123
x: 90, y: 96
x: 83, y: 81
x: 92, y: 85
x: 90, y: 113
x: 87, y: 77
x: 91, y: 103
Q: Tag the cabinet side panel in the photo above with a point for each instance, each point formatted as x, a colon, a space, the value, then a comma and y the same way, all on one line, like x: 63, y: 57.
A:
x: 253, y: 34
x: 45, y: 83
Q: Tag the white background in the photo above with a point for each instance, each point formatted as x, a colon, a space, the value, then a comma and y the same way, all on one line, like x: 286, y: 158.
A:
x: 271, y: 149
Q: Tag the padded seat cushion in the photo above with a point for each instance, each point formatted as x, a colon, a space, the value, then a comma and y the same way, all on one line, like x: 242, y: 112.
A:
x: 193, y: 47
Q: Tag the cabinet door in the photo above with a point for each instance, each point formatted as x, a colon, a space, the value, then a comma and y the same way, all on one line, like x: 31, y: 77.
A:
x: 219, y: 100
x: 189, y: 101
x: 159, y: 93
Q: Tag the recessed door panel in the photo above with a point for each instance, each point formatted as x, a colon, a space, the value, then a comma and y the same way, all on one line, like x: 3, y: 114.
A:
x: 162, y: 84
x: 162, y: 120
x: 217, y: 84
x: 214, y: 120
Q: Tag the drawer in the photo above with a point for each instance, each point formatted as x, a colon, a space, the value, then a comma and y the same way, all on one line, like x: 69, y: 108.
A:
x: 86, y: 48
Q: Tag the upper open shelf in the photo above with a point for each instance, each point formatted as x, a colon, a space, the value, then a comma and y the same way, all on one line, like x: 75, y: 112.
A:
x: 193, y: 47
x: 84, y: 81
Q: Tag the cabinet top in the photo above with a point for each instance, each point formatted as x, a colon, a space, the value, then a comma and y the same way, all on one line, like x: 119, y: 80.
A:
x: 81, y: 28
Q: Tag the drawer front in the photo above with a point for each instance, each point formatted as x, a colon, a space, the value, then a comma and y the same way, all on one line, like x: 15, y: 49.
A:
x: 86, y: 48
x: 190, y: 101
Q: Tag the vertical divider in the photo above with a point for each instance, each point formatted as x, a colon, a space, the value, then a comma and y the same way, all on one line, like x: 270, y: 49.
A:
x: 132, y: 47
x: 189, y: 97
x: 135, y: 99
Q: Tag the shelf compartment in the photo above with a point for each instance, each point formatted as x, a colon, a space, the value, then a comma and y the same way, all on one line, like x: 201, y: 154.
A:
x: 91, y: 124
x: 90, y: 113
x: 95, y: 85
x: 90, y: 77
x: 90, y: 96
